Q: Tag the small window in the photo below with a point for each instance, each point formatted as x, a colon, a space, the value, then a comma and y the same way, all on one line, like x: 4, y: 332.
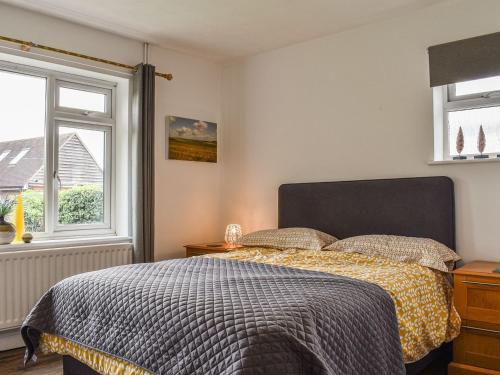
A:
x: 79, y: 99
x: 467, y: 120
x: 19, y: 156
x: 470, y: 120
x: 83, y: 99
x: 477, y: 86
x: 4, y: 154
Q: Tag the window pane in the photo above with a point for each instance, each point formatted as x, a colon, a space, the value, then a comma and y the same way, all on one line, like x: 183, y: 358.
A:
x: 478, y: 86
x: 19, y: 156
x: 470, y: 121
x: 22, y: 144
x: 81, y: 176
x: 79, y: 99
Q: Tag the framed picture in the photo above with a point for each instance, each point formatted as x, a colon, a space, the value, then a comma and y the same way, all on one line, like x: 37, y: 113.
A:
x: 191, y: 139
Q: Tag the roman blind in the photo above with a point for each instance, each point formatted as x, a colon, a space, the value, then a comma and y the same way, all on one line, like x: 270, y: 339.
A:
x: 465, y: 60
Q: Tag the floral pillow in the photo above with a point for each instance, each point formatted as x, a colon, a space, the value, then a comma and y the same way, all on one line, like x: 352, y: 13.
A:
x: 424, y: 251
x: 288, y: 238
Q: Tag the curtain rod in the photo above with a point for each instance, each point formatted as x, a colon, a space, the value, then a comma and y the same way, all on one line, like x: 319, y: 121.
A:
x: 26, y: 46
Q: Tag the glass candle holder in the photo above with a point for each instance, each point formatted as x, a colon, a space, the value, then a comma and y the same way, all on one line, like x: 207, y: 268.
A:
x: 233, y: 234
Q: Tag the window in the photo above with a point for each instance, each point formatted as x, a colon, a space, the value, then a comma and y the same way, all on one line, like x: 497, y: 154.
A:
x: 81, y: 170
x: 83, y: 99
x: 58, y: 154
x: 21, y: 129
x: 470, y: 106
x: 4, y: 154
x: 19, y: 156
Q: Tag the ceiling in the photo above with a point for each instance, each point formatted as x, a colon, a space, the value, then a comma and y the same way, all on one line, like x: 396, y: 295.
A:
x: 223, y: 29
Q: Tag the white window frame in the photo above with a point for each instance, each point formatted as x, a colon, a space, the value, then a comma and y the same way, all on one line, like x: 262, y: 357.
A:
x: 59, y: 116
x: 74, y: 85
x: 445, y: 101
x: 107, y: 168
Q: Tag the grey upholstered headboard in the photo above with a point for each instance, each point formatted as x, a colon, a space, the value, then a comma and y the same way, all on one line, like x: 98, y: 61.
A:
x: 418, y: 207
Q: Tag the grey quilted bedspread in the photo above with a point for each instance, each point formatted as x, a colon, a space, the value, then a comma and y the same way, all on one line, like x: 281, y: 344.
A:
x: 214, y: 316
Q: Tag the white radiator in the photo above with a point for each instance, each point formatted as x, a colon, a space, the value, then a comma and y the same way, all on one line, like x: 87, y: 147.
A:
x: 26, y: 275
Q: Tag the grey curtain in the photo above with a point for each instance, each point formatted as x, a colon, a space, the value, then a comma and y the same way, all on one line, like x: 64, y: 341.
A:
x: 465, y: 60
x: 143, y: 164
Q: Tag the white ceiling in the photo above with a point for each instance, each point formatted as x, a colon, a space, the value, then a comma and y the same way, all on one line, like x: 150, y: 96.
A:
x: 223, y: 29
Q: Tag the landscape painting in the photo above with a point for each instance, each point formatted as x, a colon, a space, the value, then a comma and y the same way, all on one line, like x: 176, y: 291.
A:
x: 190, y: 139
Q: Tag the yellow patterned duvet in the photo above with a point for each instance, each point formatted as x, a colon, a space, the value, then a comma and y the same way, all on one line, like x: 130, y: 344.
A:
x: 423, y: 297
x: 101, y: 362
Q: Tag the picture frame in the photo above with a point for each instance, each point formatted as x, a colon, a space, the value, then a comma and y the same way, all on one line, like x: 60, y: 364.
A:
x: 191, y: 139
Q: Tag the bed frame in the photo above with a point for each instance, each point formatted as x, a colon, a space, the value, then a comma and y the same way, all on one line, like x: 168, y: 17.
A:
x: 419, y: 207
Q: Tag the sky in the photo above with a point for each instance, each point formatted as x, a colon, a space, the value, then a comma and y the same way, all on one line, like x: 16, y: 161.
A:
x: 22, y: 112
x: 192, y: 129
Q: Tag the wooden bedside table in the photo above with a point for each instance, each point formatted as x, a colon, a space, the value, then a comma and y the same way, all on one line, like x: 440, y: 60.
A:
x: 208, y: 248
x: 477, y: 299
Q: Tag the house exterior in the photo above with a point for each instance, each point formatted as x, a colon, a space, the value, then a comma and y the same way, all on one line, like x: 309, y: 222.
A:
x: 22, y: 164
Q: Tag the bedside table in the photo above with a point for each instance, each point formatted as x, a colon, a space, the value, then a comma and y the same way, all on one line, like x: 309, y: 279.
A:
x: 477, y: 299
x: 208, y: 248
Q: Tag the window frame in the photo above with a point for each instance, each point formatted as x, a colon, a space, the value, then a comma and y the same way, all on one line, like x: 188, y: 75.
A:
x: 55, y: 115
x: 77, y: 85
x: 107, y: 168
x: 445, y: 96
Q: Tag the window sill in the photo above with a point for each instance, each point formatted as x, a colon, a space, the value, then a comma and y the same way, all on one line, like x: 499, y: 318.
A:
x: 465, y: 161
x: 59, y: 243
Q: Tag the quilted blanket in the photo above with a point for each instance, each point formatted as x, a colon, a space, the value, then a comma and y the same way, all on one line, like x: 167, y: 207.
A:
x: 215, y: 316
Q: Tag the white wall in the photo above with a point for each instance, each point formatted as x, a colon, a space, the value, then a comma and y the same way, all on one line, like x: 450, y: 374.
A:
x: 187, y: 193
x: 355, y: 105
x: 22, y: 24
x: 349, y: 106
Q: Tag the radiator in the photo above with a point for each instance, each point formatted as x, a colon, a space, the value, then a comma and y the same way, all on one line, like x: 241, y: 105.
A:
x: 26, y: 275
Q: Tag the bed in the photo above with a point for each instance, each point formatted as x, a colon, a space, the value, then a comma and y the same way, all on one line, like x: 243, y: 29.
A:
x: 420, y: 207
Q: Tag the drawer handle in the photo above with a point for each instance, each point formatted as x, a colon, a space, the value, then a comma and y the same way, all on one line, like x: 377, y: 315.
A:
x: 481, y: 329
x: 479, y: 283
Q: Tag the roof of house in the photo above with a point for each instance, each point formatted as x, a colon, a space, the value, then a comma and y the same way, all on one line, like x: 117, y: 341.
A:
x: 76, y: 164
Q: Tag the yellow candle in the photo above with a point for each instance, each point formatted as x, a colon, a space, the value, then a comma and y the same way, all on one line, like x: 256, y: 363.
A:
x: 19, y: 219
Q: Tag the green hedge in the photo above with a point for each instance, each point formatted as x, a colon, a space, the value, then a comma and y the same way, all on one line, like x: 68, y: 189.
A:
x: 81, y: 205
x: 33, y: 211
x: 78, y: 205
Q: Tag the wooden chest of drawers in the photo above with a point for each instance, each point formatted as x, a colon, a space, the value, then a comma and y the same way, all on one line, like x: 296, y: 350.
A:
x: 477, y: 299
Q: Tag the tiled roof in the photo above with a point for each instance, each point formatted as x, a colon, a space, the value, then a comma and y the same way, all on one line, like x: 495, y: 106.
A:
x: 76, y: 164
